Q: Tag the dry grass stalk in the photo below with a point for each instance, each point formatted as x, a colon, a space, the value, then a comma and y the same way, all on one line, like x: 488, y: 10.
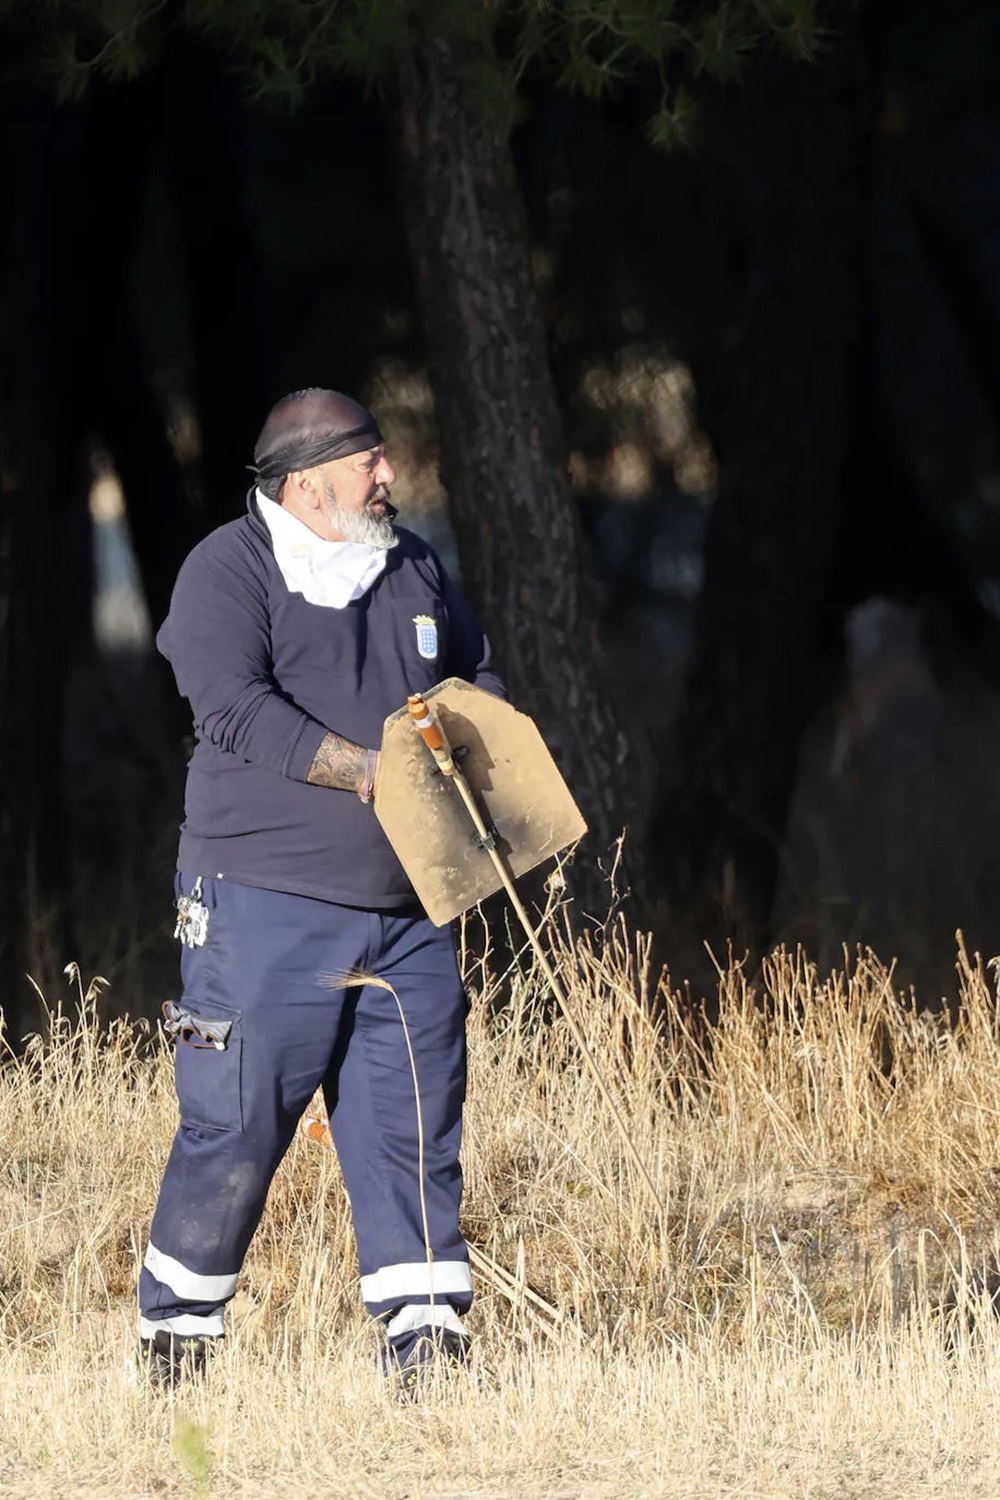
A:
x: 814, y: 1305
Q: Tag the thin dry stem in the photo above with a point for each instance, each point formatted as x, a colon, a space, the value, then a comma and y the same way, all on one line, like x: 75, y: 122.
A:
x: 814, y: 1303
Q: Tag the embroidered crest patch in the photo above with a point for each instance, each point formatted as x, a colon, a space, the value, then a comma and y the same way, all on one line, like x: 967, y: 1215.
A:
x: 427, y: 636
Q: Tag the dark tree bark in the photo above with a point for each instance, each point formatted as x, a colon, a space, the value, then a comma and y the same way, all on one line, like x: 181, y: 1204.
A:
x: 73, y: 372
x: 43, y: 477
x: 797, y: 135
x: 947, y: 173
x: 220, y: 267
x: 503, y: 461
x: 121, y: 131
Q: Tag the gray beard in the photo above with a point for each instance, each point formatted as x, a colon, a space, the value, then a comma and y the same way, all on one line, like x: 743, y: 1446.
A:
x: 361, y: 526
x: 356, y: 526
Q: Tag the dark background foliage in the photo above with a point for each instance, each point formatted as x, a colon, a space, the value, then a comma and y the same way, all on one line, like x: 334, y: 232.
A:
x: 688, y: 351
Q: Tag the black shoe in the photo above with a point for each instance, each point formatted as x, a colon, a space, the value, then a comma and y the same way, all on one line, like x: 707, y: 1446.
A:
x: 169, y: 1358
x: 412, y: 1361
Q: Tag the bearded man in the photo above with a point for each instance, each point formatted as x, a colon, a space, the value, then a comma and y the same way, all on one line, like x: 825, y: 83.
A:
x: 293, y: 632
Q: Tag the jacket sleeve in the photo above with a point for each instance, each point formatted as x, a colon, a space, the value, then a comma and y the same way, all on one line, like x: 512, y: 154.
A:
x: 217, y: 639
x: 469, y: 654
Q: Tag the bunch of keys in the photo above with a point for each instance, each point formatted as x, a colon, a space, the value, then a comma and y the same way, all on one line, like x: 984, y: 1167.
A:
x: 192, y: 918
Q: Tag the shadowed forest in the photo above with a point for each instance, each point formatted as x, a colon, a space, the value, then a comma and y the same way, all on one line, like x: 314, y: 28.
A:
x: 683, y: 327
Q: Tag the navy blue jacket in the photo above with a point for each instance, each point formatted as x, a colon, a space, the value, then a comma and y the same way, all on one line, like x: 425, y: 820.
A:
x: 268, y: 675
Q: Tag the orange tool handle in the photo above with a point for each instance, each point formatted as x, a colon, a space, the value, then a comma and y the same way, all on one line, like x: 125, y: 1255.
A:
x: 431, y: 732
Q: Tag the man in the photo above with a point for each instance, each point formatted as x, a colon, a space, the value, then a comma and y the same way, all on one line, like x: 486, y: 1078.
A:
x: 294, y: 632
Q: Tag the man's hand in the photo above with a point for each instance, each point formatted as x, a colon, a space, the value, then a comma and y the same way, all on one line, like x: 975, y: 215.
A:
x: 342, y: 764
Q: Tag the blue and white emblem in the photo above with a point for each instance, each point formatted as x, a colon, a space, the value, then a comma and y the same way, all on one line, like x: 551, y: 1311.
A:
x: 427, y: 636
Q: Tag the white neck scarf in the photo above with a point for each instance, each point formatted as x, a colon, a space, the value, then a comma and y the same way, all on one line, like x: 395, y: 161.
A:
x: 331, y: 574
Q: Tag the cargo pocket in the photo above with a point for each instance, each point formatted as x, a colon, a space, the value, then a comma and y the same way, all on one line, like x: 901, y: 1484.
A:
x: 208, y: 1064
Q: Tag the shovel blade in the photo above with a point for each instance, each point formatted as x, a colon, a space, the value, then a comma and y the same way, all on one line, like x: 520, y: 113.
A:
x: 517, y: 785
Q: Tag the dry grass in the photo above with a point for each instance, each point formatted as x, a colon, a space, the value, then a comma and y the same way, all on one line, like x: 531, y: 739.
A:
x: 808, y: 1312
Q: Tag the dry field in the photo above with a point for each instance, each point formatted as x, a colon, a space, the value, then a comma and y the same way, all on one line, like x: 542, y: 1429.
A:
x: 806, y: 1311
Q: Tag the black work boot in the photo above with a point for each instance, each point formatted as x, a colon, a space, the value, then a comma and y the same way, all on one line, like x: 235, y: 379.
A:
x: 413, y: 1359
x: 168, y: 1358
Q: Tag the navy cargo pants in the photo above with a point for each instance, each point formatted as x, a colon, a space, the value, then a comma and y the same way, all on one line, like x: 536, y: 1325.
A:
x: 271, y: 966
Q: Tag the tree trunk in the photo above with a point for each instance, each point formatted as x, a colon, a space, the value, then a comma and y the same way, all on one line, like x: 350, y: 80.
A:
x: 72, y: 372
x: 761, y: 624
x: 503, y: 461
x: 40, y: 458
x: 122, y: 123
x: 220, y: 266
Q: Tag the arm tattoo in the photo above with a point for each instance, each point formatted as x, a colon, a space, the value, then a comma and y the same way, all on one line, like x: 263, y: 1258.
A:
x: 339, y: 763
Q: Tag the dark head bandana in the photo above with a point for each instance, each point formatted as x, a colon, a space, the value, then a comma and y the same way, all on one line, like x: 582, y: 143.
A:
x: 312, y: 427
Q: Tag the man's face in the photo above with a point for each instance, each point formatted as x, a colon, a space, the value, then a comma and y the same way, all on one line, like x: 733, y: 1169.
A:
x: 356, y: 494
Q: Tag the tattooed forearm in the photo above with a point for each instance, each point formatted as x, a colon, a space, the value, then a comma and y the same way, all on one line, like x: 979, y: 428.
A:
x: 339, y: 763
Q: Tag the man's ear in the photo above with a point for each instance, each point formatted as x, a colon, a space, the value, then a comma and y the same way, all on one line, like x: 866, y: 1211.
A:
x: 304, y: 488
